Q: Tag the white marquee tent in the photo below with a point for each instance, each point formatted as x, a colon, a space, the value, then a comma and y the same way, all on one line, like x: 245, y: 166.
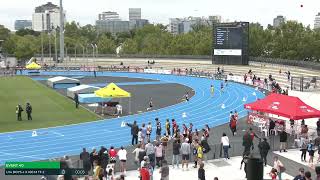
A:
x: 61, y: 80
x: 82, y: 89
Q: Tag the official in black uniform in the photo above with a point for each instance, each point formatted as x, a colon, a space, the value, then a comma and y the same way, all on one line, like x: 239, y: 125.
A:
x: 76, y: 99
x: 18, y: 112
x: 29, y: 111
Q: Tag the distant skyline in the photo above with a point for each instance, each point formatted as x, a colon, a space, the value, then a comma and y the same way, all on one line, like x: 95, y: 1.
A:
x: 159, y: 11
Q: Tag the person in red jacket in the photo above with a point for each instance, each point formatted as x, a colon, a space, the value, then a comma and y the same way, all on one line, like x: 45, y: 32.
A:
x: 233, y: 125
x: 144, y: 173
x: 112, y: 155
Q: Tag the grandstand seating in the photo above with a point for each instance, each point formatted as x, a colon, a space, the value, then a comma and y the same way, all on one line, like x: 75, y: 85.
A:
x: 261, y: 70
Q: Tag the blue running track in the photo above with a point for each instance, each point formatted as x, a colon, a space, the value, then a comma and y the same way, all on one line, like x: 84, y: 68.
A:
x: 69, y: 140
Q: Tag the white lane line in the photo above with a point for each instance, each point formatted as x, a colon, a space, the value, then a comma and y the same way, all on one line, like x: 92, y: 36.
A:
x: 197, y: 121
x: 59, y: 134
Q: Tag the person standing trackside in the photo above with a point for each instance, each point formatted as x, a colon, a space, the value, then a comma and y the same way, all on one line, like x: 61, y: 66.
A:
x: 168, y: 128
x: 185, y: 151
x: 226, y: 145
x: 264, y: 148
x: 283, y: 140
x: 158, y: 130
x: 76, y: 99
x: 122, y: 154
x: 29, y: 111
x: 134, y: 132
x: 150, y: 152
x: 176, y: 153
x: 85, y: 158
x: 18, y: 112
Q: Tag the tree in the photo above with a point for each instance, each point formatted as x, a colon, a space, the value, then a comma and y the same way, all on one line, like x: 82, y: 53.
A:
x: 23, y: 32
x: 130, y: 46
x: 106, y: 45
x: 10, y: 44
x: 26, y: 47
x: 4, y: 33
x: 256, y: 40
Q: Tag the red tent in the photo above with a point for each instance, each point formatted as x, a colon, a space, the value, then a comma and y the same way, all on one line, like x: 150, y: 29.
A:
x: 285, y: 106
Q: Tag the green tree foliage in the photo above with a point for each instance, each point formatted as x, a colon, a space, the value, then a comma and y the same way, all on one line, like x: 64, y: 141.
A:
x: 23, y: 32
x: 26, y: 47
x: 4, y: 32
x: 289, y: 41
x: 106, y: 45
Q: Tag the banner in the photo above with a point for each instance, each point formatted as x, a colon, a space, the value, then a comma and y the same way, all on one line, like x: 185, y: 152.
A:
x: 157, y: 71
x: 254, y: 117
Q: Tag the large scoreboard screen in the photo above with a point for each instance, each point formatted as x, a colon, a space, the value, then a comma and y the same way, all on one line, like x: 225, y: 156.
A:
x: 230, y: 43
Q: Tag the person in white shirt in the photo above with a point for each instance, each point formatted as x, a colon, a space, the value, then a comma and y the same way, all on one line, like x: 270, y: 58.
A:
x: 225, y: 145
x: 119, y: 109
x: 140, y: 138
x: 277, y: 164
x: 136, y: 154
x: 122, y: 154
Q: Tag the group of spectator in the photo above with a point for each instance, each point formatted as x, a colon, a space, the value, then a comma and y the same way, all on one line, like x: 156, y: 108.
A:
x: 186, y: 145
x: 101, y: 164
x: 268, y: 83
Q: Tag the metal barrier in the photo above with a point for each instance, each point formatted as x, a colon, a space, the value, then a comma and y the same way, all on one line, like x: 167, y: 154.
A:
x: 278, y: 61
x: 305, y: 83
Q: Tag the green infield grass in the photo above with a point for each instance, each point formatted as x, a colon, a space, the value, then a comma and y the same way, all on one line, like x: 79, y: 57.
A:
x: 49, y: 107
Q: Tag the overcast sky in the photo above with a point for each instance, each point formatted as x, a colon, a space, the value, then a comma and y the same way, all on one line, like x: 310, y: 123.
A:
x: 159, y: 11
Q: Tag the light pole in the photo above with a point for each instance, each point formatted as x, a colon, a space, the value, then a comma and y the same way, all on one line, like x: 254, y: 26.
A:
x: 95, y: 45
x: 55, y: 45
x: 93, y: 53
x: 87, y: 55
x: 75, y: 52
x: 61, y: 32
x: 82, y: 51
x: 41, y: 37
x: 49, y: 45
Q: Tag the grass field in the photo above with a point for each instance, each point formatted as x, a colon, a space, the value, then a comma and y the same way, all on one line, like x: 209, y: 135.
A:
x: 49, y: 107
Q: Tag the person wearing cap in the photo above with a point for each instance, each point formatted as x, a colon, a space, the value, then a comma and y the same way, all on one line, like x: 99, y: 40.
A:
x: 301, y: 175
x: 144, y: 162
x: 185, y: 151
